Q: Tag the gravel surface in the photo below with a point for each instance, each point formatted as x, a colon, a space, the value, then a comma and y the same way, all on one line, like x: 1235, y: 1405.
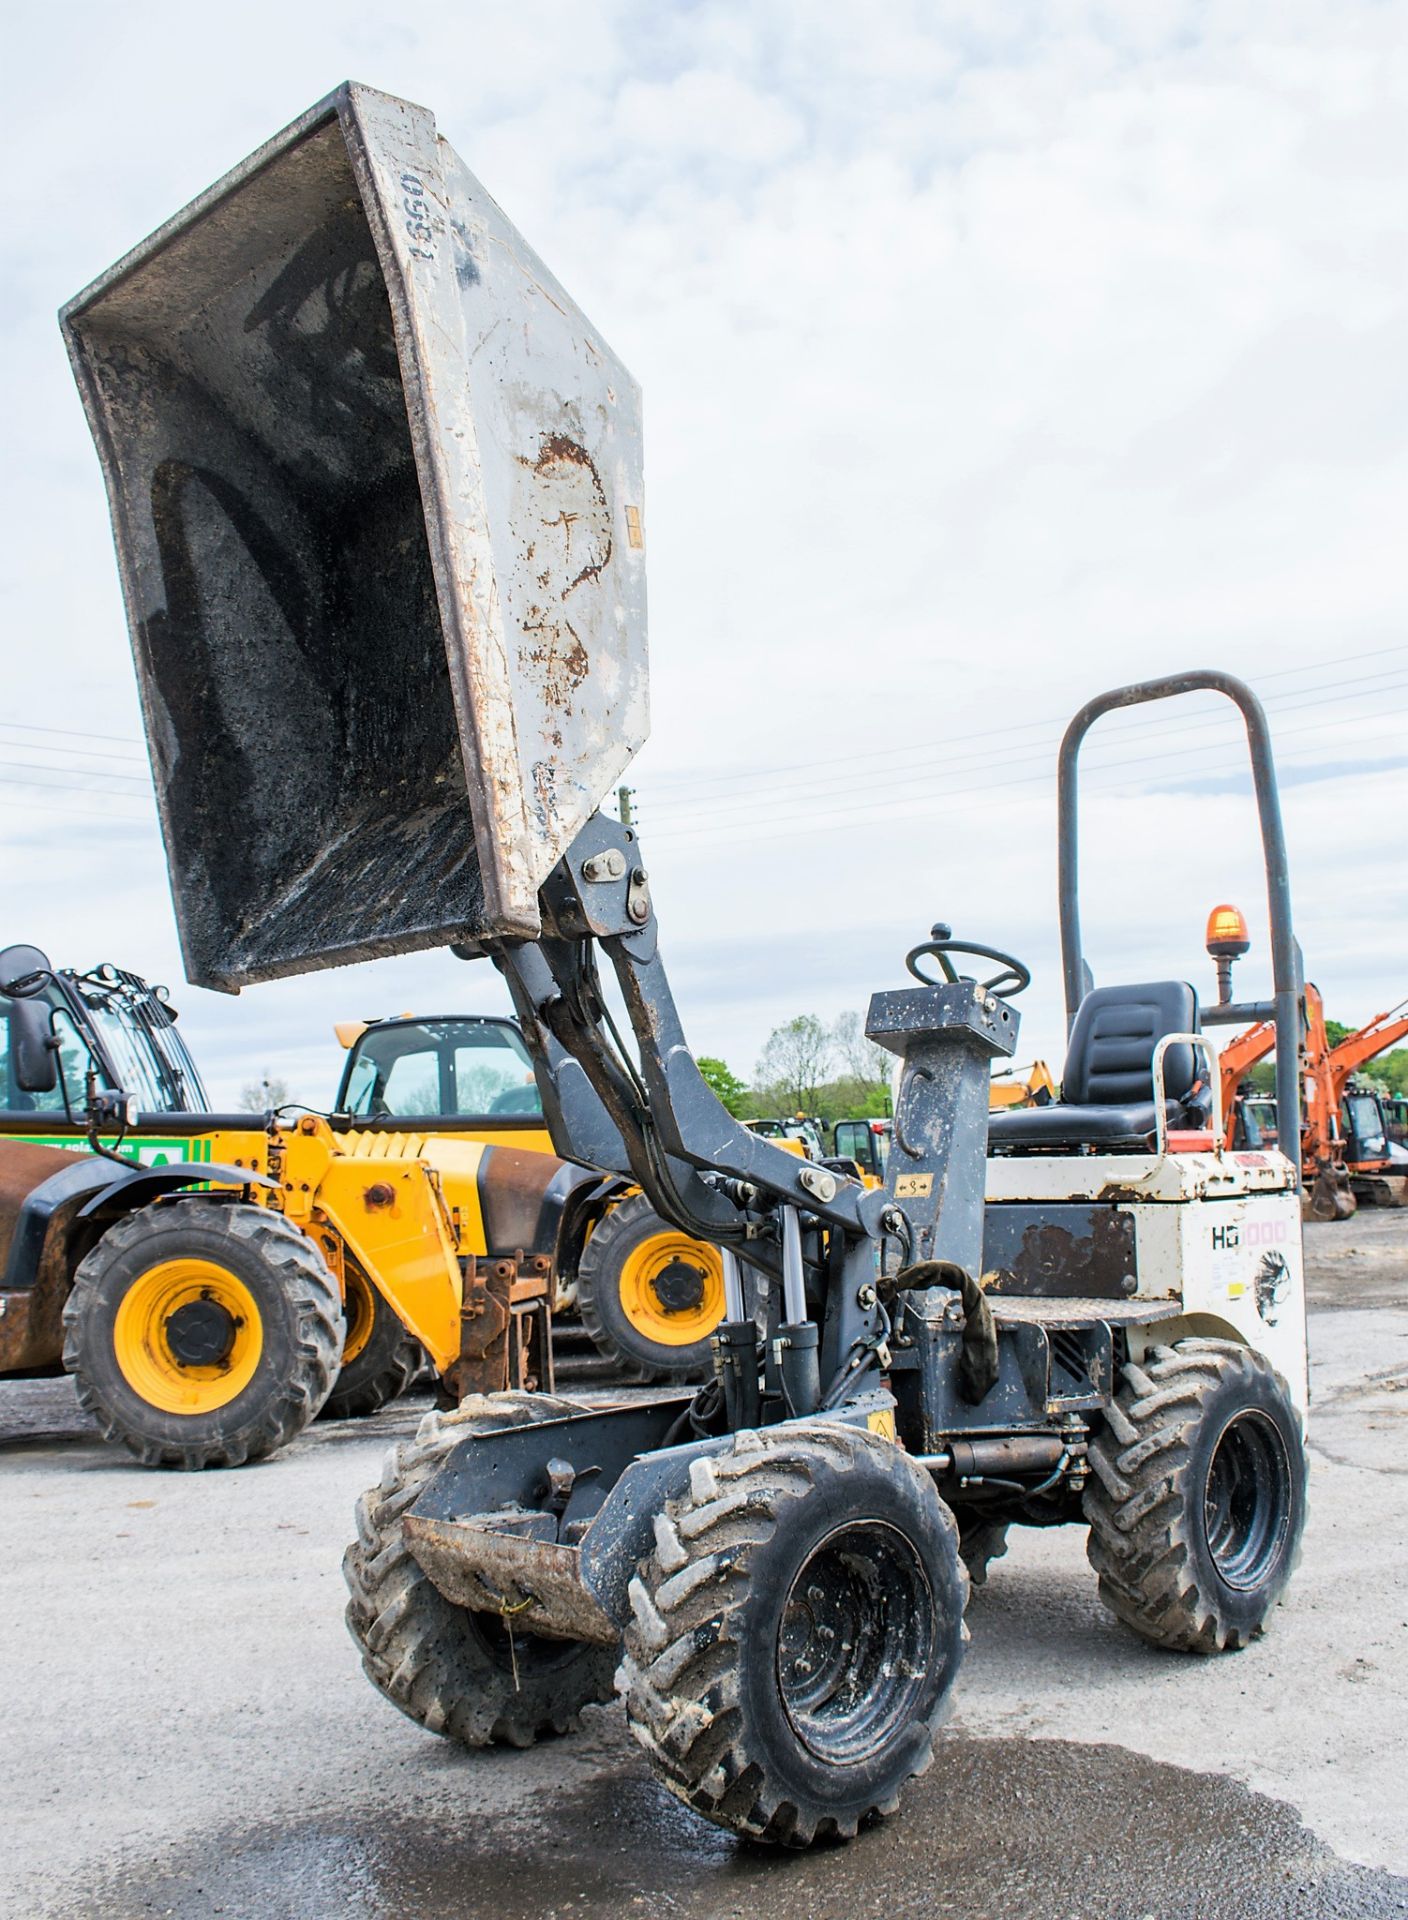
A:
x: 187, y: 1730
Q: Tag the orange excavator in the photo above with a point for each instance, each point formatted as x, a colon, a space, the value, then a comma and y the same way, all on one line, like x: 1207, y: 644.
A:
x: 1345, y: 1135
x: 1378, y: 1166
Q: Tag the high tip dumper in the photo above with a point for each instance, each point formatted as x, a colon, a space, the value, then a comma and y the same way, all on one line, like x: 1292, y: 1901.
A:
x: 376, y: 483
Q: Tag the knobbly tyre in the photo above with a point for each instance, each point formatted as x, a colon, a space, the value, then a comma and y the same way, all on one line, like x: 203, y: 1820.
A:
x: 356, y: 437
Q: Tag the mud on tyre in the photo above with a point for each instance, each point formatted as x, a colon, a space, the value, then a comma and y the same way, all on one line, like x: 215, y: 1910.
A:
x: 796, y: 1633
x: 203, y: 1333
x: 453, y: 1670
x: 1197, y: 1498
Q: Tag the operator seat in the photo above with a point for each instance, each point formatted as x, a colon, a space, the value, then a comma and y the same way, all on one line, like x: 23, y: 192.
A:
x: 1107, y: 1095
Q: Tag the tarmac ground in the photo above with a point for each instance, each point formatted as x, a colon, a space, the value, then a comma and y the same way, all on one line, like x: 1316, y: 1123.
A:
x: 187, y: 1731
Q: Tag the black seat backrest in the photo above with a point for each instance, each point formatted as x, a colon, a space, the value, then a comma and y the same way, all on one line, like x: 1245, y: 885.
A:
x: 1110, y: 1058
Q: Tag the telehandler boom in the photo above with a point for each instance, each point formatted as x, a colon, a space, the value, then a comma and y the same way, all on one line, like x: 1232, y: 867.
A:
x: 376, y: 486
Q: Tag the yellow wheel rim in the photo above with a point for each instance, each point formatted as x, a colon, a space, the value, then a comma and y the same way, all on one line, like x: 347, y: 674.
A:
x: 360, y: 1309
x: 672, y: 1289
x: 188, y: 1336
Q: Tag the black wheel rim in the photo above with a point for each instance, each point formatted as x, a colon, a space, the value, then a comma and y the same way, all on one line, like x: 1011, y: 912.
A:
x: 679, y: 1287
x: 201, y: 1333
x: 1247, y: 1503
x: 856, y: 1641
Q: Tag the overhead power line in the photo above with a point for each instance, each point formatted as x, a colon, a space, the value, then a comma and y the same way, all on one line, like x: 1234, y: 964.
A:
x: 68, y: 786
x: 934, y: 802
x: 97, y: 777
x: 942, y: 763
x: 895, y: 750
x: 134, y: 747
x: 944, y: 754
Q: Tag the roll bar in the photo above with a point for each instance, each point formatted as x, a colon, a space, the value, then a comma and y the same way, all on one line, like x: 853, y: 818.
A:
x: 1285, y: 1006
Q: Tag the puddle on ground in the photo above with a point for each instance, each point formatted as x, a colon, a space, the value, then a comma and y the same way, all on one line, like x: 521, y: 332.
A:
x: 998, y: 1830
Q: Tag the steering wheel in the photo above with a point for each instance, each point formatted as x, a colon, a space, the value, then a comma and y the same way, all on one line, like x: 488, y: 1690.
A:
x: 1010, y: 979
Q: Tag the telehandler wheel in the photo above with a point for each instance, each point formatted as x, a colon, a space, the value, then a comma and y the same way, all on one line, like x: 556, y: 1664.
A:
x: 379, y: 1359
x: 1197, y: 1500
x: 457, y: 1672
x: 650, y: 1297
x: 203, y: 1333
x: 796, y: 1633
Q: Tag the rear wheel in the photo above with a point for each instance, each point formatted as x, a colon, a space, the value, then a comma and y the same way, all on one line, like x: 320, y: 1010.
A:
x: 796, y: 1633
x: 650, y: 1296
x: 457, y: 1672
x: 379, y: 1360
x: 1197, y: 1501
x: 203, y: 1333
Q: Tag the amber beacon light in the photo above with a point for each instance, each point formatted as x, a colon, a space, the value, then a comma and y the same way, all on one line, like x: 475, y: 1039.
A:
x: 1227, y: 933
x: 1227, y: 940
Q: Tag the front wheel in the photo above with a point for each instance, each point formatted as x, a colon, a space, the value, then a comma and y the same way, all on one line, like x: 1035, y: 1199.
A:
x: 796, y: 1633
x: 1197, y: 1500
x: 203, y: 1333
x: 459, y: 1673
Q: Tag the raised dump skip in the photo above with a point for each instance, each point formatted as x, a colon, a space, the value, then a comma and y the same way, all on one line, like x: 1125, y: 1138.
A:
x: 376, y: 490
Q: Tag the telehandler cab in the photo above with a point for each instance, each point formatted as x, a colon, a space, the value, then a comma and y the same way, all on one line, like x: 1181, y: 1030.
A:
x: 376, y: 485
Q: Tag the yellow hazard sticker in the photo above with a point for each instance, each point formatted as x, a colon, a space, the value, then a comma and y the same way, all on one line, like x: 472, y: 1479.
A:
x: 913, y: 1186
x: 882, y: 1423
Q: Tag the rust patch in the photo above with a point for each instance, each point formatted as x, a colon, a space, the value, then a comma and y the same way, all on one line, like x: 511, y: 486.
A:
x: 505, y: 1326
x: 561, y: 658
x: 558, y: 450
x: 570, y: 547
x: 31, y: 1317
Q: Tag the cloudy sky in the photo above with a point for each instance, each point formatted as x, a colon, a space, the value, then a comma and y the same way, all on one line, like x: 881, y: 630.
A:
x: 992, y: 355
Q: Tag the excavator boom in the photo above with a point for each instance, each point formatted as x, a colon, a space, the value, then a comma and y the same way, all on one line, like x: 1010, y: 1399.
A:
x: 1376, y: 1036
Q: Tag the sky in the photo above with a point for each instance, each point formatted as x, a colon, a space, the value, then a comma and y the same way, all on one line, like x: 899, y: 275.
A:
x: 992, y: 355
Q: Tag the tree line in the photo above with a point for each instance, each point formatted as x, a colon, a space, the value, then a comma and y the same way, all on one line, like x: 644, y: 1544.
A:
x: 833, y: 1072
x: 828, y: 1071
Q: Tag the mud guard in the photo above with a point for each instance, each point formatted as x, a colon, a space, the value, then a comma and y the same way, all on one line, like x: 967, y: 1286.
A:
x: 94, y: 1178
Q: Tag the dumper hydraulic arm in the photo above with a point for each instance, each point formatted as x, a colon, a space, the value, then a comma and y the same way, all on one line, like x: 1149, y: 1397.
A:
x: 816, y: 1232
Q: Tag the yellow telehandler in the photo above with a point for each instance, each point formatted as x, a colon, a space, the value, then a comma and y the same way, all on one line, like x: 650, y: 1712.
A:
x: 213, y: 1281
x: 642, y: 1297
